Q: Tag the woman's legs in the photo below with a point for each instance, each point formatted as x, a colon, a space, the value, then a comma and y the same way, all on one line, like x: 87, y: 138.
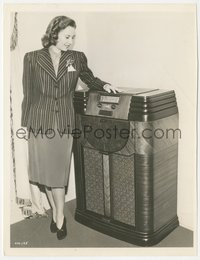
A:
x: 51, y: 201
x: 56, y: 198
x: 59, y: 199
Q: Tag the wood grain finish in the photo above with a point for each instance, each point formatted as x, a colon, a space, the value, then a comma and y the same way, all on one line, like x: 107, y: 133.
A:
x: 103, y: 134
x: 156, y: 189
x: 106, y: 183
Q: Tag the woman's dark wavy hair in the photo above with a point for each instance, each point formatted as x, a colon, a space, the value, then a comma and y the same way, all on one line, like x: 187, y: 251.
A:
x: 55, y: 26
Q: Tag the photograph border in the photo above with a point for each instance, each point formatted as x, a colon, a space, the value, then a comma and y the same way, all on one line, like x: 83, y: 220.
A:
x: 8, y: 8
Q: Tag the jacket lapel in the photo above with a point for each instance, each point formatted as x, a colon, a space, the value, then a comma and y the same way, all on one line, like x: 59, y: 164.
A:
x: 44, y: 60
x: 66, y: 56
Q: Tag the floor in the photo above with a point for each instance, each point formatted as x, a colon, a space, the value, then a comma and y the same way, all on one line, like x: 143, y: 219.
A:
x: 35, y: 233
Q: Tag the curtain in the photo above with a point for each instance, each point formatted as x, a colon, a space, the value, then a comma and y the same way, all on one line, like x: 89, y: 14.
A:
x: 19, y: 147
x: 20, y: 189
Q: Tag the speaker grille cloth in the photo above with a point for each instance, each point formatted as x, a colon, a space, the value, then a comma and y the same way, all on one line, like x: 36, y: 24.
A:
x: 122, y: 188
x: 93, y: 166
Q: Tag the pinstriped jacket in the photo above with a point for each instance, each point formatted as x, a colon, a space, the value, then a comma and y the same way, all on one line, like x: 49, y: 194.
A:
x: 47, y: 96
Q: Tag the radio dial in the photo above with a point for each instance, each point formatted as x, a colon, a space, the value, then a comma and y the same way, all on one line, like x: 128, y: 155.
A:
x: 99, y: 105
x: 113, y: 106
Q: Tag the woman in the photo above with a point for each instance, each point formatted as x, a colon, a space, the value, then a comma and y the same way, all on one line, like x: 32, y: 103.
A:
x: 49, y: 80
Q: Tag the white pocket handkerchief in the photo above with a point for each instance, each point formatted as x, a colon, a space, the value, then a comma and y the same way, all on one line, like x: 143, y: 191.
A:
x: 70, y: 68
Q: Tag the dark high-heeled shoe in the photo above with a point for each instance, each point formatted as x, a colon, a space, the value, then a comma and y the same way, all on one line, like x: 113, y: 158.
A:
x: 62, y: 233
x: 53, y: 226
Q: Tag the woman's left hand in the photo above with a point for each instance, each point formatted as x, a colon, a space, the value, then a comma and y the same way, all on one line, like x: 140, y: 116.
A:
x: 109, y: 88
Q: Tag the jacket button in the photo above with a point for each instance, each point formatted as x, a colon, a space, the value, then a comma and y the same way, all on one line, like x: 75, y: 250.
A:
x: 57, y: 111
x: 56, y: 86
x: 56, y: 99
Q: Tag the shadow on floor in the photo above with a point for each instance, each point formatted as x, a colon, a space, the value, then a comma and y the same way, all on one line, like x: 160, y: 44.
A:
x: 35, y: 233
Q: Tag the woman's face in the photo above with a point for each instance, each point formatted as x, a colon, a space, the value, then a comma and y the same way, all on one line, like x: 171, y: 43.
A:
x: 66, y: 38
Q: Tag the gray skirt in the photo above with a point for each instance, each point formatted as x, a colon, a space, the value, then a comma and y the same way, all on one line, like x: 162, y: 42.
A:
x: 50, y: 158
